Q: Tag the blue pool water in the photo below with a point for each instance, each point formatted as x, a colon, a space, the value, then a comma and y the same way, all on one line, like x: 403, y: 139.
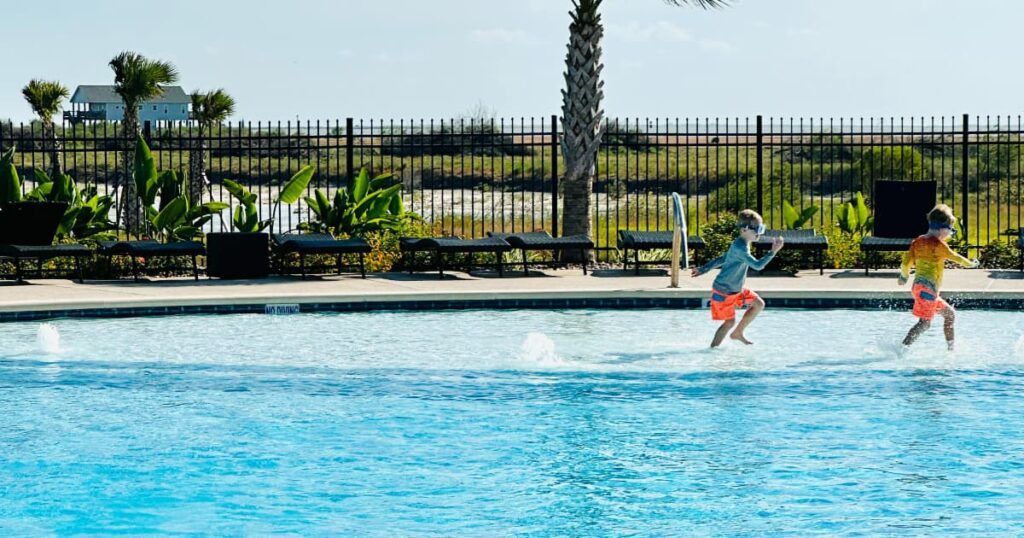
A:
x: 585, y: 423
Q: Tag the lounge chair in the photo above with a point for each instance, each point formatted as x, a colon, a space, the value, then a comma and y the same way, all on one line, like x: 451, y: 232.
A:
x: 151, y: 248
x: 900, y: 210
x: 643, y: 240
x: 443, y: 246
x: 409, y: 246
x: 797, y: 240
x: 320, y: 243
x: 27, y: 230
x: 543, y: 241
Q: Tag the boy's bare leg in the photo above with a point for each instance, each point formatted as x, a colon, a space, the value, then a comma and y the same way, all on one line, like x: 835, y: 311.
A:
x: 948, y: 318
x: 753, y: 310
x: 722, y: 331
x: 915, y: 331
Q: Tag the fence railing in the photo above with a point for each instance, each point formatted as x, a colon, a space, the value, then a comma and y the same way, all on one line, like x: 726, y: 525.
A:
x: 471, y: 176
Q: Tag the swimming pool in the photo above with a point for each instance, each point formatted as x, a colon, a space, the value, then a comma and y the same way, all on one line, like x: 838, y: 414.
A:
x: 575, y: 422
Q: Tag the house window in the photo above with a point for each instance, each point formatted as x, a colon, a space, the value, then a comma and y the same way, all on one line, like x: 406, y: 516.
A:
x: 165, y: 110
x: 154, y: 107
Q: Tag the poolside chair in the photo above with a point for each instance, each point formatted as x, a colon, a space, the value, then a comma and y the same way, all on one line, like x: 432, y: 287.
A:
x: 636, y: 241
x: 151, y: 248
x: 27, y: 230
x: 323, y: 244
x: 900, y: 216
x: 446, y: 246
x: 797, y: 240
x: 410, y: 246
x: 527, y: 241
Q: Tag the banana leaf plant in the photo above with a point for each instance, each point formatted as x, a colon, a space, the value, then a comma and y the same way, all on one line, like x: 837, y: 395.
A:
x: 10, y: 184
x: 366, y: 205
x: 88, y: 213
x: 855, y: 217
x: 795, y: 220
x: 173, y: 218
x: 246, y: 218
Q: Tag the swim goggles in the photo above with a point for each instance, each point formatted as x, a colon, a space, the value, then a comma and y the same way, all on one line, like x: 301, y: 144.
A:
x: 942, y: 226
x: 759, y: 229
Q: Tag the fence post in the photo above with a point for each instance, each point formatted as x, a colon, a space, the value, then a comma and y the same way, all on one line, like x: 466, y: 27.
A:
x: 760, y: 173
x: 147, y: 131
x: 349, y: 149
x: 554, y: 175
x: 965, y: 184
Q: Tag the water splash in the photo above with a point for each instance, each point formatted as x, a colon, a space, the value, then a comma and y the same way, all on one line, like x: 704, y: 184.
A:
x: 48, y: 338
x: 539, y: 348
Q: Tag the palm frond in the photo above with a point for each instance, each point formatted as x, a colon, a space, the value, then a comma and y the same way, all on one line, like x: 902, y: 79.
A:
x: 706, y: 4
x: 213, y: 106
x: 138, y: 79
x: 46, y: 97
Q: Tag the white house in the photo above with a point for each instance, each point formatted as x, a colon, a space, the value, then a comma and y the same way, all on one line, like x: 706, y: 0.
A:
x: 103, y: 103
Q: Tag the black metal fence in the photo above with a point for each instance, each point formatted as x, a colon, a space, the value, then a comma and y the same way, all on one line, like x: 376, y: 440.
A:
x: 470, y: 176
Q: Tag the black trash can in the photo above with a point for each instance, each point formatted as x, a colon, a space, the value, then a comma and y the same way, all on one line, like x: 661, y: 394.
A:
x: 237, y: 255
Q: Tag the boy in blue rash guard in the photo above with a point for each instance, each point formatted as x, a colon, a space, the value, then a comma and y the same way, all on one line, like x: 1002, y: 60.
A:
x: 728, y: 292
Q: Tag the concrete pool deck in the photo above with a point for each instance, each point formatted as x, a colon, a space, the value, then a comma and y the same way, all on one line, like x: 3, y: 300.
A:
x: 56, y: 298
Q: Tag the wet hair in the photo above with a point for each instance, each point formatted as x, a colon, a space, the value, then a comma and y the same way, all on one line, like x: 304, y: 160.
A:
x: 941, y: 214
x: 749, y: 218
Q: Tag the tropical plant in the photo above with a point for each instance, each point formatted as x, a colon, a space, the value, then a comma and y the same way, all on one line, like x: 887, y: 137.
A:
x: 88, y: 213
x: 855, y: 217
x: 795, y: 220
x: 137, y: 79
x: 10, y: 183
x: 173, y: 218
x: 366, y: 205
x: 582, y: 112
x: 46, y: 99
x: 246, y: 218
x: 208, y: 109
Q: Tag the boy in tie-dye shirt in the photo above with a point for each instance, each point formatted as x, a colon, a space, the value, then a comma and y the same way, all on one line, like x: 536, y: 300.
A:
x: 928, y: 254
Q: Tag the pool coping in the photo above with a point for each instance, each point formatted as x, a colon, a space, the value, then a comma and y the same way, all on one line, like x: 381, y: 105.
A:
x: 465, y: 300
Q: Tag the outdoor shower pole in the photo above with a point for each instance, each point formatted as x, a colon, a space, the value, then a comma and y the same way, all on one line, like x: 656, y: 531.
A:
x: 760, y: 172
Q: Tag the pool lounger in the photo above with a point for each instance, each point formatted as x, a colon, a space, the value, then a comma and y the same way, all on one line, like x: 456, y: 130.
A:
x: 797, y: 240
x: 900, y: 209
x: 150, y: 248
x: 320, y: 243
x: 636, y: 241
x: 27, y: 230
x: 453, y: 245
x: 543, y: 241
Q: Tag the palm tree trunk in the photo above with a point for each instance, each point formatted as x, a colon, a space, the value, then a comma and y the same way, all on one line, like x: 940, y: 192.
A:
x: 55, y: 167
x: 131, y: 209
x: 197, y: 170
x: 581, y: 116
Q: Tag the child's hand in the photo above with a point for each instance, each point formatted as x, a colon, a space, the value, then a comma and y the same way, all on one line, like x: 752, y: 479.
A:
x: 695, y: 272
x: 777, y: 243
x: 901, y: 280
x: 974, y: 264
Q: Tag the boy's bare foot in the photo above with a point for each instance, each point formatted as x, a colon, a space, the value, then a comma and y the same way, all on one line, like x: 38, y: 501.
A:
x: 739, y: 336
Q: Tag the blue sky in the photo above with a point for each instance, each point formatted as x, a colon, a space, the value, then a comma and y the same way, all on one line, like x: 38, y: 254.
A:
x: 407, y: 58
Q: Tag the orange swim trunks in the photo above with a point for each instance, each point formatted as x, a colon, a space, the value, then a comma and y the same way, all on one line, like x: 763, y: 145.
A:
x: 927, y: 301
x: 723, y: 306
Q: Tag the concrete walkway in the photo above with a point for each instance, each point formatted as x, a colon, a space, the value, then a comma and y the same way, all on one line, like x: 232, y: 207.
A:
x: 41, y: 295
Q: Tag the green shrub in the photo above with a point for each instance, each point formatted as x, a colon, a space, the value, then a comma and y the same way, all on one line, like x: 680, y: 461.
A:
x: 999, y: 255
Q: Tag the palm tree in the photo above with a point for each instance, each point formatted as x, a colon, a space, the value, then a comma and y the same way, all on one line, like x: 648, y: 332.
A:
x: 46, y: 98
x: 137, y: 79
x: 581, y: 108
x: 208, y: 109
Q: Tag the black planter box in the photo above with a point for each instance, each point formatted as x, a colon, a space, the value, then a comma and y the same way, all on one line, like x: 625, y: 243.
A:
x: 237, y: 255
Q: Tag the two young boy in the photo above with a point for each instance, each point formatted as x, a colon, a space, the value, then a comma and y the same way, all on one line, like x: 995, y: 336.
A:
x: 928, y: 253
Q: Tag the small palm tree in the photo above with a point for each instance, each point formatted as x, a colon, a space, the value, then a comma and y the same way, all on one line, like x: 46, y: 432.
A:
x: 137, y: 79
x: 208, y: 109
x: 46, y: 98
x: 581, y: 108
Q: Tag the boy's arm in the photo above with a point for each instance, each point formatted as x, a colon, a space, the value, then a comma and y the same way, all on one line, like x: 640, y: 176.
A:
x: 713, y: 264
x: 908, y: 262
x: 757, y: 264
x: 957, y: 258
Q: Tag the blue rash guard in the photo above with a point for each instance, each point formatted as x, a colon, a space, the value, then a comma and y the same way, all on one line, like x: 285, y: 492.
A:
x: 734, y: 264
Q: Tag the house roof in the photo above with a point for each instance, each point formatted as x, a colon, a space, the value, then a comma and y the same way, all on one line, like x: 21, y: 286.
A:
x: 106, y: 94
